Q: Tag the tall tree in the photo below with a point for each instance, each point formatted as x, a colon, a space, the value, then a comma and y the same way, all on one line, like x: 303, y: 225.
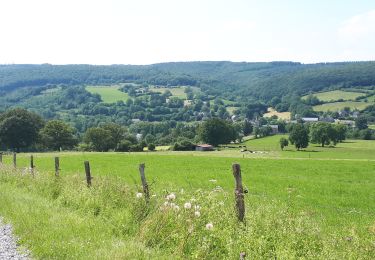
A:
x: 323, y: 133
x: 19, y: 128
x: 217, y: 131
x: 99, y: 139
x: 299, y: 136
x: 58, y: 135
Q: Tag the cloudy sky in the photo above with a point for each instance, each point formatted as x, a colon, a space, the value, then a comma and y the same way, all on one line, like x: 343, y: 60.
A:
x: 151, y: 31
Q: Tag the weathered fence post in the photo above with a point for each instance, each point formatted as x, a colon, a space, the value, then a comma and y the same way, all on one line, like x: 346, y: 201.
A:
x: 1, y: 157
x: 15, y: 160
x: 88, y: 173
x: 144, y: 182
x: 32, y: 165
x: 238, y: 192
x: 57, y: 166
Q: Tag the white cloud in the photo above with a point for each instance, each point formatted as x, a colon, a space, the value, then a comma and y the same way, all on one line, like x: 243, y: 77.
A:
x: 356, y: 37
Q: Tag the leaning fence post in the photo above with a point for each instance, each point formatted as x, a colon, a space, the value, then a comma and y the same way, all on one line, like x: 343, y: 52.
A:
x: 57, y: 166
x: 32, y: 164
x: 144, y: 182
x: 238, y: 192
x: 88, y: 173
x: 15, y: 160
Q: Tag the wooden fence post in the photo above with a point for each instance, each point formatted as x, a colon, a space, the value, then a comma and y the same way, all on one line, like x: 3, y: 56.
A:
x: 1, y: 157
x: 144, y: 182
x: 238, y: 192
x: 88, y: 173
x: 57, y: 166
x: 15, y: 160
x: 32, y: 164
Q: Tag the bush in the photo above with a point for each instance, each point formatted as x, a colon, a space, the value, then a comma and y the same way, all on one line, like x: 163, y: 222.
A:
x: 151, y: 147
x: 184, y: 145
x: 124, y: 146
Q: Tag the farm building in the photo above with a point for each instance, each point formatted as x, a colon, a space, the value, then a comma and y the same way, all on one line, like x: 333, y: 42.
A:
x: 310, y: 119
x: 275, y: 129
x: 204, y: 147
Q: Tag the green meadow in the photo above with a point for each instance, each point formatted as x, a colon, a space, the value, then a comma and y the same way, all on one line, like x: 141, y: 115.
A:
x: 336, y: 95
x: 335, y: 106
x: 313, y: 204
x: 109, y: 94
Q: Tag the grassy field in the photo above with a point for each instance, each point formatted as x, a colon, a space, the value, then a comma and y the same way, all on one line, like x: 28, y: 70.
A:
x: 178, y: 92
x: 281, y: 115
x: 109, y: 94
x: 336, y: 95
x: 335, y: 106
x: 322, y: 207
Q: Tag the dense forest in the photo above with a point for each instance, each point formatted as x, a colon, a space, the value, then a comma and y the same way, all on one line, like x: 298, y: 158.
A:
x: 59, y: 92
x: 231, y: 80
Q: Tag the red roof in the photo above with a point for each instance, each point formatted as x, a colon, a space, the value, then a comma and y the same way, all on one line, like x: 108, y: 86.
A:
x: 205, y: 145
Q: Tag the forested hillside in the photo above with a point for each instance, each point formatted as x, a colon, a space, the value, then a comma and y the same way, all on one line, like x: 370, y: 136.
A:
x: 260, y: 81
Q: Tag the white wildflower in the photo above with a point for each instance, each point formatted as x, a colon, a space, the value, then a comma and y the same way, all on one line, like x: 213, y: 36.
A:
x: 176, y: 208
x: 197, y: 214
x: 197, y: 207
x: 209, y: 226
x: 139, y: 195
x: 213, y: 180
x: 187, y: 205
x: 171, y: 196
x: 166, y: 204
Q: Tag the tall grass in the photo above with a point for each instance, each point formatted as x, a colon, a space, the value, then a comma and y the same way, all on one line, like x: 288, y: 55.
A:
x: 61, y: 218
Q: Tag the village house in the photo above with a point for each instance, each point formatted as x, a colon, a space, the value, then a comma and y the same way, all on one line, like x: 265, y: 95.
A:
x: 204, y: 147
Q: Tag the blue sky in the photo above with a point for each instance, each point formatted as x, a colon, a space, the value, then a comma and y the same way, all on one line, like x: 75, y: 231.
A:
x: 150, y: 31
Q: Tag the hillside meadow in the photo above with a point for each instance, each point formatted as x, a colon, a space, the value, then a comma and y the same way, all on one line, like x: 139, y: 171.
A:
x: 335, y: 95
x: 319, y: 207
x: 108, y: 94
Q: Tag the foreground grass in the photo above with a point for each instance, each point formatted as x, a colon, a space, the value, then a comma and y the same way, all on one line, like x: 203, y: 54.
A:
x: 295, y: 209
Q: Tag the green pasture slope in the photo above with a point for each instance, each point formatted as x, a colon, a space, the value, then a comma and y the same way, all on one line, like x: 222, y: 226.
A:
x: 109, y: 94
x: 336, y: 95
x: 335, y: 106
x: 314, y: 204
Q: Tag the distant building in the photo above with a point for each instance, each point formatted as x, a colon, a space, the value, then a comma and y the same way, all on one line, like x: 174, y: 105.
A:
x: 204, y: 147
x: 310, y: 119
x: 327, y: 119
x: 188, y: 103
x: 349, y: 123
x: 275, y: 129
x: 136, y: 120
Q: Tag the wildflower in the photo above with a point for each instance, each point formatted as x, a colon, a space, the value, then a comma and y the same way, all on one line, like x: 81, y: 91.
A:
x: 176, y: 208
x: 213, y: 180
x: 187, y: 205
x: 139, y: 195
x: 171, y: 196
x: 197, y: 214
x: 172, y: 205
x: 153, y: 195
x: 197, y: 207
x: 209, y: 226
x: 166, y: 204
x: 182, y: 191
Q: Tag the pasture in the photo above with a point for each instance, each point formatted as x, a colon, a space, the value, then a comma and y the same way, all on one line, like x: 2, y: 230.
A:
x: 336, y: 95
x: 178, y: 92
x: 335, y: 106
x: 109, y: 94
x: 272, y: 112
x: 297, y: 206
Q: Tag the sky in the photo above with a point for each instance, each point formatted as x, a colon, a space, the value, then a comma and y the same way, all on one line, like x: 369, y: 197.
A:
x: 153, y: 31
